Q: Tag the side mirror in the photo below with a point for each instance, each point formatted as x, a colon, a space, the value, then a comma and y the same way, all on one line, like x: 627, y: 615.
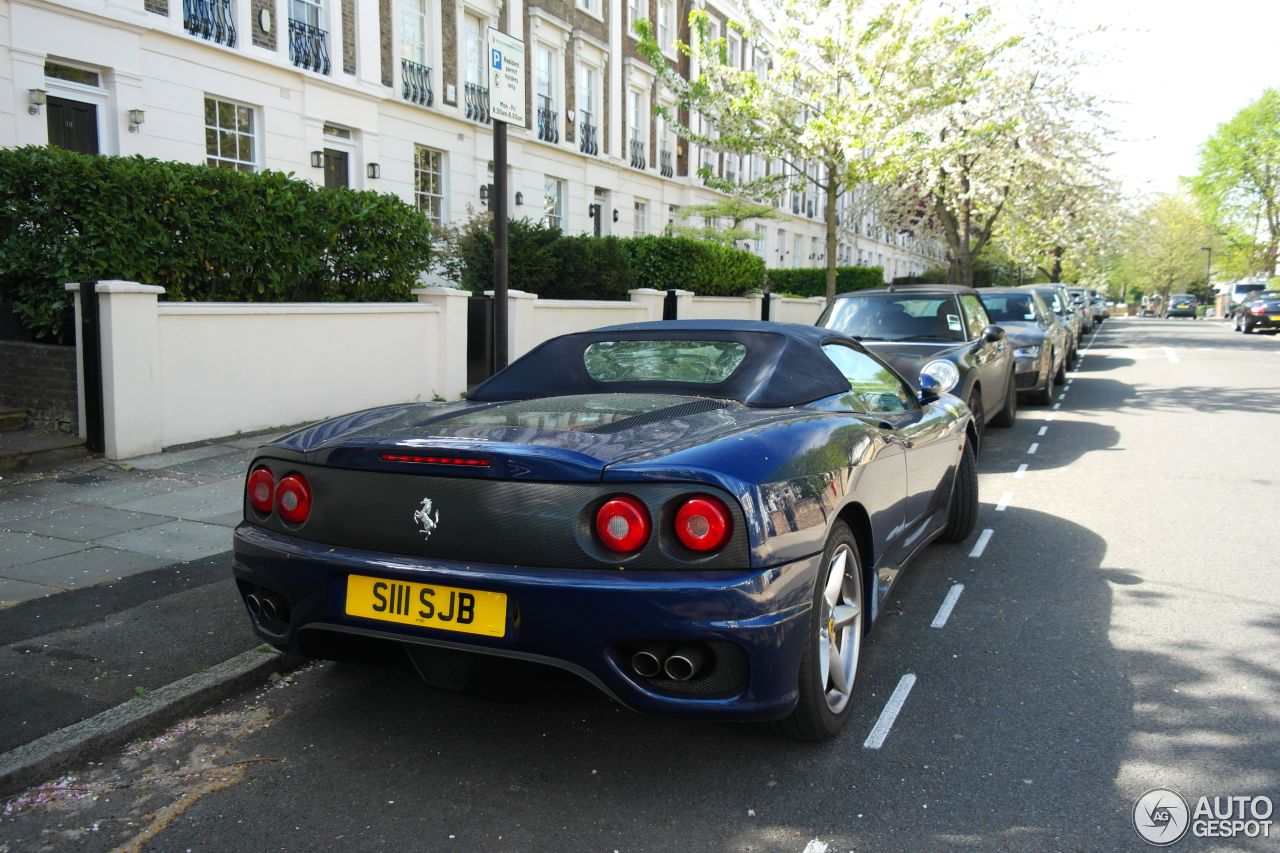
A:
x: 929, y: 388
x: 993, y: 334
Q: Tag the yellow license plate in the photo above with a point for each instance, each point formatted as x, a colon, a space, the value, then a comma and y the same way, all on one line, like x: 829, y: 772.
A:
x: 447, y: 608
x: 1275, y: 318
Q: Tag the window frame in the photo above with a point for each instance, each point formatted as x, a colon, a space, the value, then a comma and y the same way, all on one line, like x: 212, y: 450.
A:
x: 557, y: 213
x: 218, y: 161
x: 439, y: 217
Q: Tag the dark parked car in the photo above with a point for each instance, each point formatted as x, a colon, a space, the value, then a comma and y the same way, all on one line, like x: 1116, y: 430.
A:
x: 702, y: 519
x: 1059, y: 301
x: 1181, y: 305
x: 939, y: 330
x: 1040, y: 342
x: 1262, y: 311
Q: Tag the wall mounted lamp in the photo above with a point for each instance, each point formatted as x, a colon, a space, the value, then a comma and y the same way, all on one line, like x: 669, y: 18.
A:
x: 519, y: 198
x: 317, y: 159
x: 136, y: 118
x: 373, y: 170
x: 484, y: 193
x: 615, y: 214
x: 35, y: 100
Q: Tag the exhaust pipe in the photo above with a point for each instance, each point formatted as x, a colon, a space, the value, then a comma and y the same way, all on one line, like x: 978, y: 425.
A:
x: 646, y: 663
x: 254, y: 604
x: 270, y: 608
x: 685, y: 663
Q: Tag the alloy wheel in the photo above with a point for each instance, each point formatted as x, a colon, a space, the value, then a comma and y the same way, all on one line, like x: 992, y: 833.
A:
x: 840, y: 630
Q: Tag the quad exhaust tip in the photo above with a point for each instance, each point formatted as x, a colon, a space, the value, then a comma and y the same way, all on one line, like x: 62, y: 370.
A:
x: 254, y: 604
x: 646, y: 663
x: 267, y: 606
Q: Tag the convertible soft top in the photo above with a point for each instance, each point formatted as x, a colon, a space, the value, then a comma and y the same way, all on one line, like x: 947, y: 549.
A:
x: 784, y: 364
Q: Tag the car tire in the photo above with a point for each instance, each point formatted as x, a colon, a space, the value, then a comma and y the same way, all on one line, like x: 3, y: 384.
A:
x: 962, y: 511
x: 1043, y: 396
x: 1248, y: 330
x: 1008, y: 414
x: 825, y: 699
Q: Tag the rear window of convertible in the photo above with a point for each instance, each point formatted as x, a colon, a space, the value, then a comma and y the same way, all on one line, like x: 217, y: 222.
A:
x: 705, y: 362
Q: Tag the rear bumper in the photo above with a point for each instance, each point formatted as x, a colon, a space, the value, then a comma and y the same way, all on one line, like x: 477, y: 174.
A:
x: 584, y: 621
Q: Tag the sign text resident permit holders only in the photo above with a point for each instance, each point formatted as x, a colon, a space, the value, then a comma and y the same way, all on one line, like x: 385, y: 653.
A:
x: 506, y: 77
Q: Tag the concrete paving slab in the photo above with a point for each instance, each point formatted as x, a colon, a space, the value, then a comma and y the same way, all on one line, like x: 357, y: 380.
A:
x: 233, y: 464
x: 86, y: 568
x: 111, y: 490
x: 176, y: 540
x: 85, y: 522
x: 231, y: 519
x: 156, y: 461
x: 194, y: 504
x: 13, y: 591
x: 253, y: 442
x: 15, y: 505
x: 19, y: 548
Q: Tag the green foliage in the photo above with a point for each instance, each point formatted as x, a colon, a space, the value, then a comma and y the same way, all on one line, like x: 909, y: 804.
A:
x: 813, y: 281
x: 544, y: 261
x: 707, y: 269
x: 200, y: 233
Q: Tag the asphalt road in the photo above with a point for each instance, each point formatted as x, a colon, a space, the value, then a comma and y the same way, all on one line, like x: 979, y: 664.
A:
x: 1119, y: 632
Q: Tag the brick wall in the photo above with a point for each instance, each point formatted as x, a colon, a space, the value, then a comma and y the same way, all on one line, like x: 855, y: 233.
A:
x: 40, y: 378
x: 448, y: 50
x: 387, y: 60
x: 159, y: 7
x: 261, y: 37
x: 349, y: 36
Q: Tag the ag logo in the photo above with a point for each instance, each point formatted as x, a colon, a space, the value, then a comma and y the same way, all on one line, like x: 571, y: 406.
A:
x: 1161, y: 817
x: 426, y: 518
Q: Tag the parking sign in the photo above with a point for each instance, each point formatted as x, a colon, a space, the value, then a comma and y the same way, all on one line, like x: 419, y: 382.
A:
x: 506, y: 77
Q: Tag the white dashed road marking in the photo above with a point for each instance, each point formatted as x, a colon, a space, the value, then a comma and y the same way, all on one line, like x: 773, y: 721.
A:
x: 892, y: 708
x: 948, y: 604
x: 981, y: 544
x: 1003, y: 503
x: 1043, y: 430
x: 1050, y: 416
x: 1022, y: 469
x: 1031, y: 451
x: 1171, y: 355
x: 1057, y: 406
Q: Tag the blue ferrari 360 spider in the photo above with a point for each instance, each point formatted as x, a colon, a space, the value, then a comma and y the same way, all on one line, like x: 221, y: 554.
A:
x: 700, y: 518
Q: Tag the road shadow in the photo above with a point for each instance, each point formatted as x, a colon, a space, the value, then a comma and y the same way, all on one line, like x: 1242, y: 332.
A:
x: 1072, y: 439
x: 1206, y: 399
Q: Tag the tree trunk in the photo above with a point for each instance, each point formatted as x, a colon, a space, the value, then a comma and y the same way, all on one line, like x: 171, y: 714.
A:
x: 832, y: 197
x: 1055, y: 274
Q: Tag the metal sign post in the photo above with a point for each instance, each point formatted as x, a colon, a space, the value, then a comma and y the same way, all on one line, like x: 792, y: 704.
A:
x: 506, y: 104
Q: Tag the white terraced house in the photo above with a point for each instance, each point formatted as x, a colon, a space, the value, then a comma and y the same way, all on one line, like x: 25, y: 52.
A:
x: 391, y: 95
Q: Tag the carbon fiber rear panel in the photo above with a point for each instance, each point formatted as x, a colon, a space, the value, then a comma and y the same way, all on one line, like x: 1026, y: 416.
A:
x: 491, y: 521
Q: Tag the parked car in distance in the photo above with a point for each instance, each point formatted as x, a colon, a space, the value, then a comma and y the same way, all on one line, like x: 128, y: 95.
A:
x: 1261, y: 311
x: 1180, y: 305
x: 1040, y: 342
x: 1080, y: 300
x: 936, y: 330
x: 1057, y: 298
x: 1241, y: 292
x: 1100, y: 310
x: 700, y: 518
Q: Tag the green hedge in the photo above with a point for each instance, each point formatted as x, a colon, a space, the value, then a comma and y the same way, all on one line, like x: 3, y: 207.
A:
x: 544, y: 261
x: 200, y: 233
x: 812, y: 281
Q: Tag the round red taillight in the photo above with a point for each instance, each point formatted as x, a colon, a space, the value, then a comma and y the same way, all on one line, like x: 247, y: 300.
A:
x: 703, y: 523
x: 293, y: 499
x: 260, y: 488
x: 623, y: 524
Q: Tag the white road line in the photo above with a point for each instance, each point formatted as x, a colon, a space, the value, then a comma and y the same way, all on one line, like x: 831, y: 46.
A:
x: 1003, y: 503
x: 1069, y: 381
x: 1062, y: 396
x: 1031, y: 451
x: 1057, y: 406
x: 1022, y: 469
x: 1050, y: 416
x: 948, y: 604
x: 1171, y: 355
x: 981, y: 545
x: 1043, y: 430
x: 892, y: 708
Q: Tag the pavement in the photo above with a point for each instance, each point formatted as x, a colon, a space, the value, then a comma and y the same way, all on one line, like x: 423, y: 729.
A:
x: 115, y: 590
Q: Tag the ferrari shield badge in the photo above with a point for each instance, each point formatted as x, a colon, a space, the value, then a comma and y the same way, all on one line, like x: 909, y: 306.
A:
x: 426, y: 518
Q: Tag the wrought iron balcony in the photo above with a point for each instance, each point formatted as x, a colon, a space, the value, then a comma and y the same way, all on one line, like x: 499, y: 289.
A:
x: 210, y: 20
x: 587, y: 142
x: 731, y: 176
x: 548, y: 127
x: 416, y: 83
x: 637, y: 154
x: 308, y: 47
x: 477, y: 102
x: 665, y: 167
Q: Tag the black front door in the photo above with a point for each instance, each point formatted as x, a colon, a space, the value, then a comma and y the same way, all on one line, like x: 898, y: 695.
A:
x: 72, y: 125
x: 336, y: 173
